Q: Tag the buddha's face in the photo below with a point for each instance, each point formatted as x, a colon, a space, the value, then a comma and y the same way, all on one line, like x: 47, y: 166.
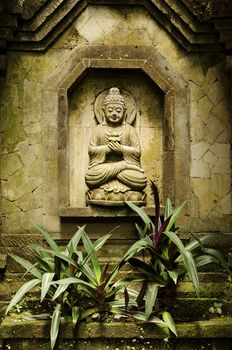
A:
x: 114, y: 113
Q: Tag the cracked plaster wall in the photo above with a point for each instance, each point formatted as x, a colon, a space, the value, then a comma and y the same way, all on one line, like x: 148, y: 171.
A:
x: 21, y: 143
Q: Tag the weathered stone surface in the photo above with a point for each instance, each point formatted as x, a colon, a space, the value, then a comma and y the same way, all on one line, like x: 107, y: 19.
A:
x: 210, y: 158
x: 200, y: 169
x: 198, y: 150
x: 207, y: 203
x: 192, y: 69
x: 224, y: 205
x: 222, y: 166
x: 204, y: 107
x: 222, y: 111
x: 221, y: 184
x: 30, y: 178
x: 10, y: 163
x: 196, y: 92
x: 221, y: 150
x: 214, y: 128
x: 216, y: 92
x: 14, y: 140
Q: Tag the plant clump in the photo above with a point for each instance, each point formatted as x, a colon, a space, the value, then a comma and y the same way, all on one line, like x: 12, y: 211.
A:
x: 77, y: 286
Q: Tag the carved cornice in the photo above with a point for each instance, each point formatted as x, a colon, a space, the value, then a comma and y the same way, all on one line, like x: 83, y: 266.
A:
x: 41, y: 22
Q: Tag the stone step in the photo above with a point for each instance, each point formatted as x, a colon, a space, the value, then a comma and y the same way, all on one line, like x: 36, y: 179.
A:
x: 212, y: 334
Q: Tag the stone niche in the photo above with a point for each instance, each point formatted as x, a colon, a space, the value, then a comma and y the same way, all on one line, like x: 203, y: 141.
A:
x: 162, y: 99
x: 81, y: 123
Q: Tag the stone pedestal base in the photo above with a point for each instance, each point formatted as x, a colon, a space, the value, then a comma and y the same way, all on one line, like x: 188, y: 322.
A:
x: 100, y: 196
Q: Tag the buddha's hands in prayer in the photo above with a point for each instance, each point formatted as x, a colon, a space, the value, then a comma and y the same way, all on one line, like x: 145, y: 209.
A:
x: 114, y: 142
x: 115, y: 147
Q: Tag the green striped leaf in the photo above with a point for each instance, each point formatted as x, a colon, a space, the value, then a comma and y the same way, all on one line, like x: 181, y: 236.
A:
x: 21, y: 292
x: 46, y: 282
x: 147, y: 221
x: 151, y: 295
x: 47, y: 237
x: 27, y: 265
x: 55, y: 325
x: 169, y: 321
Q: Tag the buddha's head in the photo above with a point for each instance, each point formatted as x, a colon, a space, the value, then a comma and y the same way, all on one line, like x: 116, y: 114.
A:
x: 114, y: 107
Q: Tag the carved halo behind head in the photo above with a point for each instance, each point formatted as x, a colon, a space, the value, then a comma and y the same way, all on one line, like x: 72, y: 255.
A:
x: 130, y: 105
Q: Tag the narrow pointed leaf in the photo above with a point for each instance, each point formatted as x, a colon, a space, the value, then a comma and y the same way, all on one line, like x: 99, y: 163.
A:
x: 169, y: 321
x: 43, y: 252
x: 64, y: 284
x: 147, y: 270
x: 113, y: 274
x: 157, y: 205
x: 141, y: 213
x: 203, y: 238
x: 46, y: 282
x: 191, y: 270
x: 88, y: 273
x: 55, y: 325
x: 75, y: 239
x: 175, y: 215
x: 91, y: 250
x: 142, y: 317
x: 46, y: 264
x: 160, y: 231
x: 101, y: 241
x: 187, y: 259
x: 221, y: 259
x: 27, y: 265
x: 48, y: 238
x: 122, y: 282
x: 136, y: 248
x: 61, y: 289
x: 151, y: 295
x: 75, y: 314
x: 72, y: 280
x: 21, y: 292
x: 176, y: 240
x: 205, y: 260
x: 168, y: 209
x: 174, y: 274
x: 87, y: 313
x: 65, y: 258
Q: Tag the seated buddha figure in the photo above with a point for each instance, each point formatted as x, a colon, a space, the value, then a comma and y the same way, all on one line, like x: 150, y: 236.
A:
x: 114, y: 174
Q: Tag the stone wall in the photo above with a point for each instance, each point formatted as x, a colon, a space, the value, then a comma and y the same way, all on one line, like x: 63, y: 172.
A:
x: 29, y: 161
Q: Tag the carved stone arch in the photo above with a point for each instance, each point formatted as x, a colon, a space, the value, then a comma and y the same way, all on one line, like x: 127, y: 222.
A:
x: 55, y: 118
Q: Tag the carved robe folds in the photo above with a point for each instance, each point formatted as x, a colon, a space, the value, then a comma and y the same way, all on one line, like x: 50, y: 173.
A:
x: 115, y: 174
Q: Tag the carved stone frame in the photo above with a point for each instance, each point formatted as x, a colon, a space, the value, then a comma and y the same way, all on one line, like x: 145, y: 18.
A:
x: 55, y: 119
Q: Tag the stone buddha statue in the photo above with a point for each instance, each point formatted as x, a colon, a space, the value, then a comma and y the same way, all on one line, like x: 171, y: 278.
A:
x: 114, y: 174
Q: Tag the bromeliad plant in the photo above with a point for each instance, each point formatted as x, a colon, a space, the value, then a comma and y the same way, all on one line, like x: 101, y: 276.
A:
x: 76, y: 284
x: 73, y: 280
x: 168, y: 258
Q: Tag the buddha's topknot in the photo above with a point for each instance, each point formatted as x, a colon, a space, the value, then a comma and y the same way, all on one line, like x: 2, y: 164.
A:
x: 114, y: 96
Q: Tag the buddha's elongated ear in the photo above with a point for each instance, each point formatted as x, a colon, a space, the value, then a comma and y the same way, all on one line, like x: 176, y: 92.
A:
x: 99, y: 109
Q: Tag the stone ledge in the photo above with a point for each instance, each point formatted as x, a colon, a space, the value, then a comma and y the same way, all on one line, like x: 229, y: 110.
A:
x: 103, y: 211
x: 20, y: 329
